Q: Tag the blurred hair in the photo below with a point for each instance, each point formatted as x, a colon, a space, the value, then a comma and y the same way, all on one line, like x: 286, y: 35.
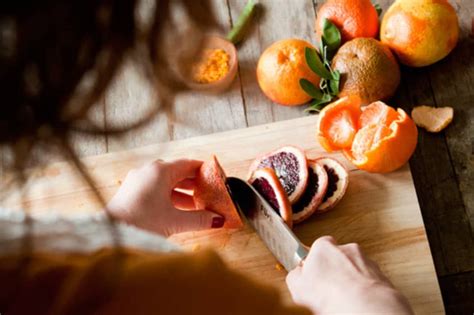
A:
x: 58, y: 57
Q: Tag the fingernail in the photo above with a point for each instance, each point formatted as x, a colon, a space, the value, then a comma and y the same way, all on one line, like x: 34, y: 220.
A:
x: 217, y: 222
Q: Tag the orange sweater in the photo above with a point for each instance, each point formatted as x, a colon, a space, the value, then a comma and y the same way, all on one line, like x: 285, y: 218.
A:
x: 131, y: 282
x: 86, y: 265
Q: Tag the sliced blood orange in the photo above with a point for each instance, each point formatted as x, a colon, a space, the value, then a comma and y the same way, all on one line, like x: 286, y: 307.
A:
x: 291, y: 168
x: 211, y: 193
x: 266, y: 182
x: 337, y: 124
x: 314, y: 193
x: 338, y: 179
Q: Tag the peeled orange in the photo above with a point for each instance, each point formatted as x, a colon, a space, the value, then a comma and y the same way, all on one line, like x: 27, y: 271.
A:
x: 376, y: 138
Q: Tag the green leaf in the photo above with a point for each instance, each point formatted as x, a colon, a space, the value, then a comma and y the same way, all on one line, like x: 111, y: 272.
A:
x: 336, y: 75
x: 237, y: 32
x: 331, y: 35
x: 310, y: 89
x: 317, y: 105
x: 314, y: 62
x: 377, y: 7
x: 334, y: 87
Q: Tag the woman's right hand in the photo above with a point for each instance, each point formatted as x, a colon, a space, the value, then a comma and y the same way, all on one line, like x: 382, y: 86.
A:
x: 341, y: 279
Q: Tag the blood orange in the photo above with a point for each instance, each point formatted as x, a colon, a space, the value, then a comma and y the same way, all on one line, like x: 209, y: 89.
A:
x: 211, y: 193
x: 314, y: 193
x: 291, y: 168
x: 265, y: 181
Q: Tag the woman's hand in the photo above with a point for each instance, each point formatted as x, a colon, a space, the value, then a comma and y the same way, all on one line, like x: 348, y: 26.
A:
x: 148, y: 199
x: 341, y: 279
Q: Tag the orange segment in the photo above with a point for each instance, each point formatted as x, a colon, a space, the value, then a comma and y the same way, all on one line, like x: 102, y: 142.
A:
x: 377, y: 113
x: 431, y: 118
x: 368, y: 138
x: 337, y: 124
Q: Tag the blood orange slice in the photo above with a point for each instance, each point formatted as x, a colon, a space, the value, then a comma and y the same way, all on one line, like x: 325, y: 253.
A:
x: 211, y: 193
x: 338, y: 179
x: 291, y: 168
x: 314, y: 193
x: 265, y: 181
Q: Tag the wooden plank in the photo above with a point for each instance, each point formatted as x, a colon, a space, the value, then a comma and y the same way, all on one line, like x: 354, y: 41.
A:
x: 461, y: 292
x: 437, y: 187
x: 457, y: 92
x: 276, y: 20
x: 129, y: 98
x: 379, y: 211
x: 199, y: 114
x: 191, y: 114
x: 85, y: 145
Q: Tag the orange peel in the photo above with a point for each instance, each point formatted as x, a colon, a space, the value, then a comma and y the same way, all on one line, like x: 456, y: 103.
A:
x: 431, y: 118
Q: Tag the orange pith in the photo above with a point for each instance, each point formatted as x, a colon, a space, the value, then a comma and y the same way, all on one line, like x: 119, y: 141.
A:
x: 384, y: 138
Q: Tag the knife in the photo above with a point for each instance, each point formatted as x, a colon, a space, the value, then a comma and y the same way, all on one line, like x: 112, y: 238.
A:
x: 271, y: 228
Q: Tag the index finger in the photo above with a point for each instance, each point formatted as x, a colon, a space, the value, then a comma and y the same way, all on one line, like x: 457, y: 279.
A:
x: 182, y: 169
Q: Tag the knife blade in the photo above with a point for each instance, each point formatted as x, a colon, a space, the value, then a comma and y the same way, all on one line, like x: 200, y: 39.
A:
x: 271, y: 228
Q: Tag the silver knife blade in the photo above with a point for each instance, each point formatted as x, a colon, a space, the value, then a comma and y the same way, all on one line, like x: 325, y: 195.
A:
x: 271, y: 228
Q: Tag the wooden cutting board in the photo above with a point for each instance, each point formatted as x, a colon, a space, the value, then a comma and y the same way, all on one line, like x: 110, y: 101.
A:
x: 380, y: 212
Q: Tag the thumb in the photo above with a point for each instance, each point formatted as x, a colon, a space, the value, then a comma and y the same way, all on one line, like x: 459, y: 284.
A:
x: 197, y: 220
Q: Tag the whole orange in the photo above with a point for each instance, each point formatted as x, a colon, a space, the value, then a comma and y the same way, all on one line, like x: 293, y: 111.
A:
x: 420, y: 32
x: 368, y: 70
x: 354, y: 18
x: 280, y: 68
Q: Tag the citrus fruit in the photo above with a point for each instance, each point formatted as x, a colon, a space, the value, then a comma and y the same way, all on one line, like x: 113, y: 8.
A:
x: 337, y: 124
x: 353, y: 18
x: 290, y: 166
x: 211, y: 193
x: 265, y: 181
x: 382, y: 138
x: 279, y: 70
x: 314, y: 193
x: 420, y: 32
x: 338, y: 180
x: 368, y: 70
x: 431, y: 118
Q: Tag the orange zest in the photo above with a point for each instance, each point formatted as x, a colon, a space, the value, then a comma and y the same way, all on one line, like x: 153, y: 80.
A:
x: 381, y: 138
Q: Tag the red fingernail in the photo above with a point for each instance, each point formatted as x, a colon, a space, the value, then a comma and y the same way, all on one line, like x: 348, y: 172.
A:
x: 217, y: 222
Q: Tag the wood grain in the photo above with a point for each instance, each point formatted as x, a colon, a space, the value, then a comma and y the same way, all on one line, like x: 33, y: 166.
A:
x: 279, y: 20
x: 380, y: 212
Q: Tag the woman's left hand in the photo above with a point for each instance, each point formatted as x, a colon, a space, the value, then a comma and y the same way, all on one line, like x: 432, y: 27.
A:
x: 148, y: 199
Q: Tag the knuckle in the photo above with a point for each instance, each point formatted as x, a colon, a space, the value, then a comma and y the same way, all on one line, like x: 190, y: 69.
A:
x: 323, y: 240
x: 354, y: 247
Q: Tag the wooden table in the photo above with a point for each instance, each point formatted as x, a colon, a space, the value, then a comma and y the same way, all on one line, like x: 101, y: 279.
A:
x: 442, y: 166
